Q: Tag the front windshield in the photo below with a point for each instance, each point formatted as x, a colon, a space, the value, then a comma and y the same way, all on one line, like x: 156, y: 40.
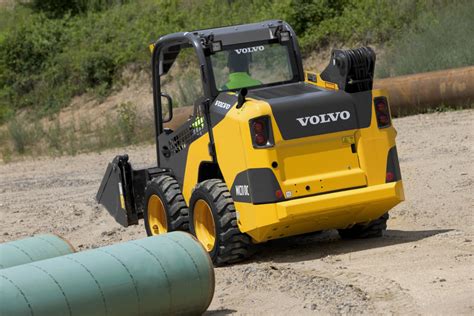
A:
x: 251, y: 66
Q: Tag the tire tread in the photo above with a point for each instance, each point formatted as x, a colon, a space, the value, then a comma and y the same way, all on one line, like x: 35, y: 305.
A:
x: 233, y: 245
x: 174, y: 203
x: 372, y: 229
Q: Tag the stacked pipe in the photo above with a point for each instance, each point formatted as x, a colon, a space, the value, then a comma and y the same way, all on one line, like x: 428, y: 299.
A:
x: 429, y: 90
x: 32, y: 249
x: 165, y: 274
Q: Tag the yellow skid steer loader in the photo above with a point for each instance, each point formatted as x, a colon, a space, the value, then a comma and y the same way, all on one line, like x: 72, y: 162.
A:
x: 270, y: 151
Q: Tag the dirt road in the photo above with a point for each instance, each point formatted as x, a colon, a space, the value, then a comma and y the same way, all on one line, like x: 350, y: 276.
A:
x: 423, y: 265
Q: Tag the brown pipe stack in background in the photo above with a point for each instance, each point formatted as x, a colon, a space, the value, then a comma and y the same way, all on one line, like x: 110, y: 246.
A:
x: 429, y: 90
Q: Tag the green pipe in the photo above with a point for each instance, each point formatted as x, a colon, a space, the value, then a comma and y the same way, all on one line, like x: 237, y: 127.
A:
x: 165, y: 274
x: 32, y: 249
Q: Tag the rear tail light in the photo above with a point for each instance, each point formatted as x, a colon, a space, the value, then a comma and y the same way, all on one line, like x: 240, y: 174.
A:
x: 278, y: 194
x: 260, y: 129
x: 389, y: 177
x: 382, y: 112
x: 392, y: 174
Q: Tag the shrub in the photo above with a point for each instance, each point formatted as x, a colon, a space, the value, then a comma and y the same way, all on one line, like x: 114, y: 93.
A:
x: 54, y: 137
x: 58, y: 8
x: 55, y: 49
x: 52, y: 50
x: 127, y: 122
x: 19, y: 134
x: 438, y: 40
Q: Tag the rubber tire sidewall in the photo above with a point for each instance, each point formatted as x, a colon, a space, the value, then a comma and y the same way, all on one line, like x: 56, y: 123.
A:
x: 202, y: 194
x: 151, y: 189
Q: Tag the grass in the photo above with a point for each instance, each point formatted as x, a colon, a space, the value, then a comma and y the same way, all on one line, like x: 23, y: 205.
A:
x: 439, y: 39
x: 20, y: 135
x: 46, y: 58
x: 440, y: 108
x: 42, y: 137
x: 50, y: 53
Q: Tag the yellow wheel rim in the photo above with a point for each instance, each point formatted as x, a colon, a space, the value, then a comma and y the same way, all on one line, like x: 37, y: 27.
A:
x: 157, y: 216
x: 204, y: 224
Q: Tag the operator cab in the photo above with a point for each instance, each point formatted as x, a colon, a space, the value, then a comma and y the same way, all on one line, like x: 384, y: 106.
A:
x: 225, y: 59
x: 253, y: 65
x: 222, y: 59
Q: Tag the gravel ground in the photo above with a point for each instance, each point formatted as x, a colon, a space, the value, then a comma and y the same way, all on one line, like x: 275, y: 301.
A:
x: 423, y: 264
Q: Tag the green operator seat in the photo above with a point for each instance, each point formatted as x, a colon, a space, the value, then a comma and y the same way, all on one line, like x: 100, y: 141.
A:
x: 239, y: 80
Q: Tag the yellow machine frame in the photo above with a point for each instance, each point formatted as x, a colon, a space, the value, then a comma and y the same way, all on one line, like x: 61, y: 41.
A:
x: 306, y: 214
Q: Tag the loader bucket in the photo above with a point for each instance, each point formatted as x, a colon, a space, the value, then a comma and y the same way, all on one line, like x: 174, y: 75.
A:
x: 115, y: 192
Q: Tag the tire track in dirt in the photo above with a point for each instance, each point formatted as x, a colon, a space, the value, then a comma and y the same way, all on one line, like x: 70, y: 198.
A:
x: 387, y: 296
x: 424, y: 264
x: 306, y: 290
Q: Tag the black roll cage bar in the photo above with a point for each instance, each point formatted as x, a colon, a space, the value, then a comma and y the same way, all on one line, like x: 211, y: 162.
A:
x: 170, y: 45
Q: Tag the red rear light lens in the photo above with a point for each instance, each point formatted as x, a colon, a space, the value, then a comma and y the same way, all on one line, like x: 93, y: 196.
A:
x: 278, y: 194
x: 381, y: 107
x: 383, y: 119
x: 390, y: 177
x: 260, y: 139
x: 260, y: 129
x: 382, y: 112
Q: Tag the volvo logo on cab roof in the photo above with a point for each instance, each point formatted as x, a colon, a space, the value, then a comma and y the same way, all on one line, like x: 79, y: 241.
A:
x: 247, y: 50
x: 324, y: 118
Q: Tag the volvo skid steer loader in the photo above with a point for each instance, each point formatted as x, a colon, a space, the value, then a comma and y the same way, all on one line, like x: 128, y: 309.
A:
x: 269, y: 152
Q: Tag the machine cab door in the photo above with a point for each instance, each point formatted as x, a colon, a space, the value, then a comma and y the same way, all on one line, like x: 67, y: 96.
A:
x: 181, y: 85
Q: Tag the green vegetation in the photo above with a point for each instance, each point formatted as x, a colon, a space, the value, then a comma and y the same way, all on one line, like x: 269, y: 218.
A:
x: 438, y: 39
x: 50, y: 137
x: 53, y: 50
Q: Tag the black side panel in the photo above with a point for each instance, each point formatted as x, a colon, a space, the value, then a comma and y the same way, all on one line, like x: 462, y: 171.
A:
x: 255, y: 186
x: 363, y: 105
x: 221, y: 105
x: 393, y: 165
x: 174, y: 147
x: 301, y: 110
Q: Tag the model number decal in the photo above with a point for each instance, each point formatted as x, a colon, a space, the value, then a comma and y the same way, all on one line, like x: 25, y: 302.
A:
x: 242, y: 190
x: 222, y: 105
x: 247, y: 50
x: 323, y: 118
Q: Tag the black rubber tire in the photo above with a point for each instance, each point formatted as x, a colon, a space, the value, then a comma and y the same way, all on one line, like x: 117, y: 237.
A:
x: 230, y: 244
x: 177, y: 213
x: 373, y: 229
